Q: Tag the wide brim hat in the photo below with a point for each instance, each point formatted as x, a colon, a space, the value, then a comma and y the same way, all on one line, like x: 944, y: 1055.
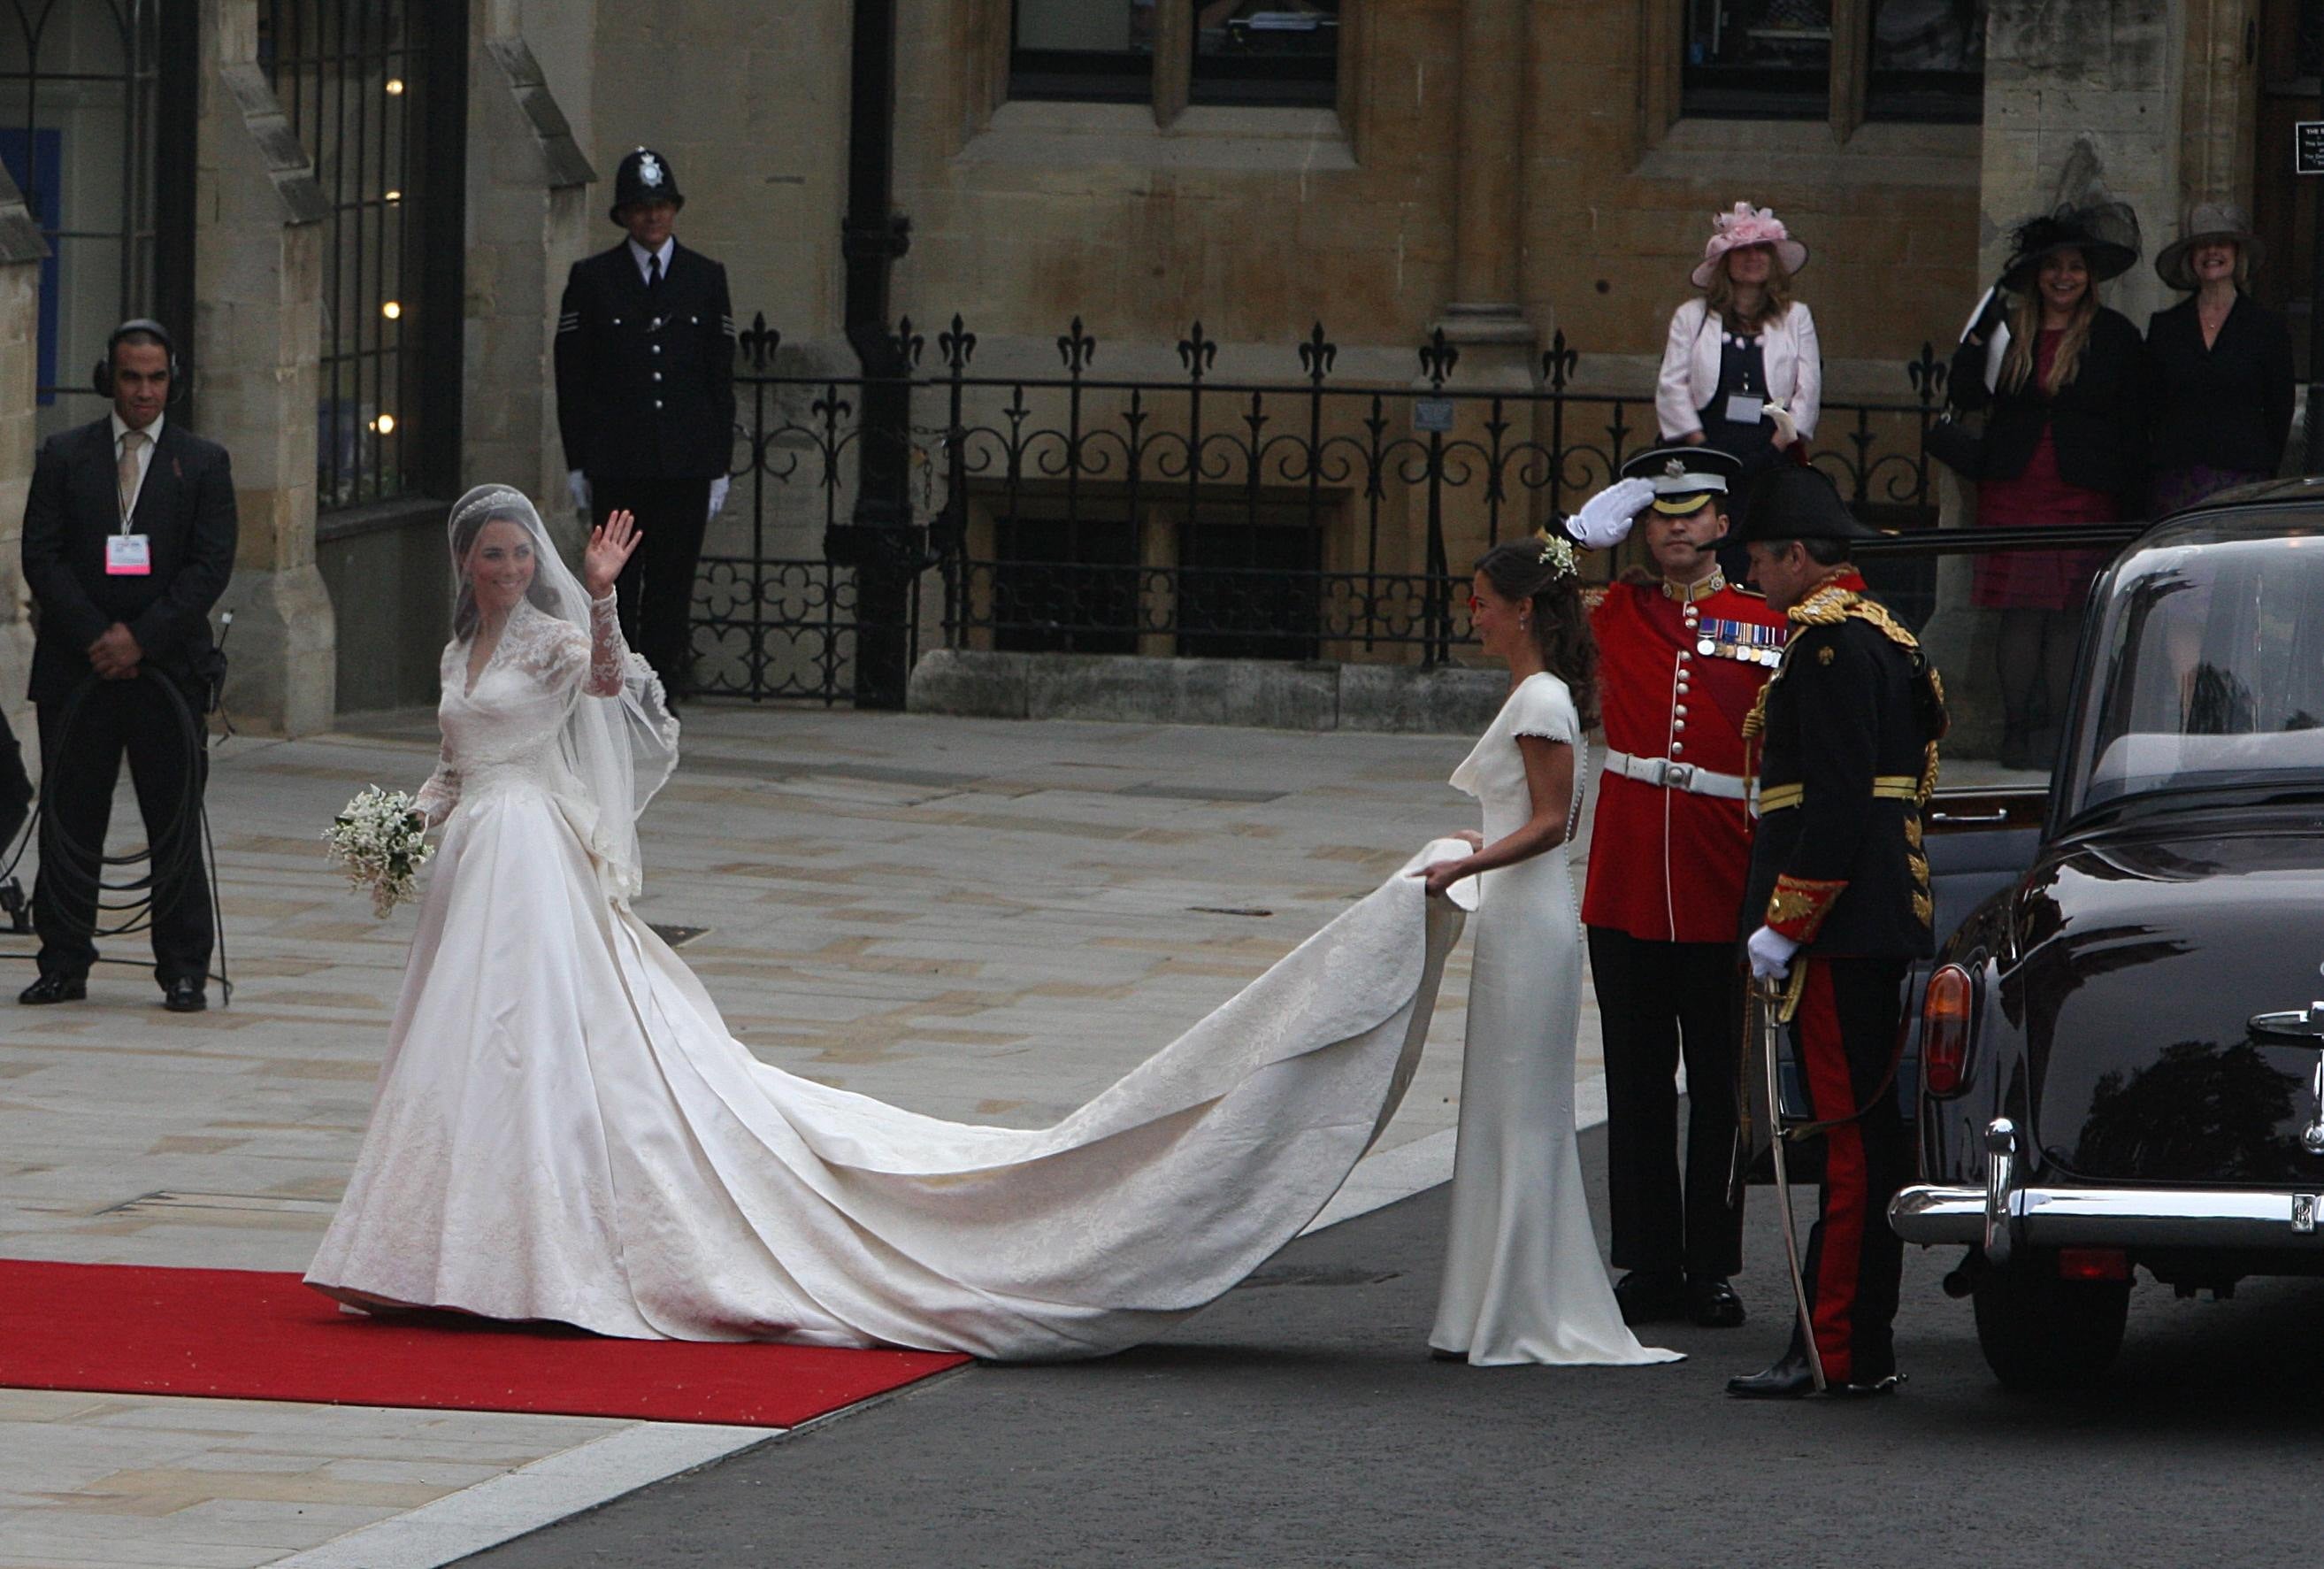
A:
x: 644, y: 175
x: 2104, y: 232
x: 1684, y: 477
x: 2207, y: 223
x: 1794, y: 501
x: 1739, y: 227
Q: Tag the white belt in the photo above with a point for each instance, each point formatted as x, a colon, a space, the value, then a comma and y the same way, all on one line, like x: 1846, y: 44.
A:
x: 1667, y: 773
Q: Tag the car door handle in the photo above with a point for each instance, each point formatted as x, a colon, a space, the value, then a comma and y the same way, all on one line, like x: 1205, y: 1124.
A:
x: 2000, y: 816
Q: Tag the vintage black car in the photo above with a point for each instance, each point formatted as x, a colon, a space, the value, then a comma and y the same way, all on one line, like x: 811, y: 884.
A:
x: 2122, y: 1049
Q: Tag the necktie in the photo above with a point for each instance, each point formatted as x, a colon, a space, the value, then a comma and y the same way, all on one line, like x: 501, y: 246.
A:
x: 653, y: 271
x: 131, y: 442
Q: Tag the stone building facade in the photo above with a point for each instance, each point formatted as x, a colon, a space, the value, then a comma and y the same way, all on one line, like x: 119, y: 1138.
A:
x: 1506, y: 170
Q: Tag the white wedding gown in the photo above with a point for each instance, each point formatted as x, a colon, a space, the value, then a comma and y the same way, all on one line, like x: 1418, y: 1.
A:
x: 563, y: 1128
x: 1523, y: 1281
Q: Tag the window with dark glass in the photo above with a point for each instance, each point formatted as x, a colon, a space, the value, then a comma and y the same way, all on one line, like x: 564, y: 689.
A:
x: 1757, y: 60
x: 1098, y: 50
x: 1266, y: 51
x: 373, y: 88
x: 96, y: 132
x: 1778, y: 60
x: 1928, y: 60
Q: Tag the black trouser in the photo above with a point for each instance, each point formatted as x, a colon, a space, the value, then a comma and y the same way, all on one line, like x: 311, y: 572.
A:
x: 657, y: 587
x: 1846, y: 1031
x: 79, y: 772
x: 1656, y: 999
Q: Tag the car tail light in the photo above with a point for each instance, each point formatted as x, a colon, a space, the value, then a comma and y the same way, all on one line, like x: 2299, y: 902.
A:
x: 2093, y: 1264
x: 1944, y: 1029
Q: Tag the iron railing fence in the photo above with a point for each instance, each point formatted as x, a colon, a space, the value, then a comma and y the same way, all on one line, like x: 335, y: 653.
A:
x: 1293, y: 518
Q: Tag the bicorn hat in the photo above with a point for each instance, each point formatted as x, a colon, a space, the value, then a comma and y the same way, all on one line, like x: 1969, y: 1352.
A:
x: 2207, y: 223
x: 1684, y: 477
x: 1744, y: 224
x: 644, y: 176
x: 1795, y: 501
x: 2104, y: 232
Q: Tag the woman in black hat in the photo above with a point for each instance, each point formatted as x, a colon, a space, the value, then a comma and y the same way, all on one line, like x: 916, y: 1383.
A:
x: 2066, y: 423
x: 2222, y: 365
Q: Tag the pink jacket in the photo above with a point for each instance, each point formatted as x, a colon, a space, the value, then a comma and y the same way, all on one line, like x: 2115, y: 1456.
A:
x: 1690, y: 373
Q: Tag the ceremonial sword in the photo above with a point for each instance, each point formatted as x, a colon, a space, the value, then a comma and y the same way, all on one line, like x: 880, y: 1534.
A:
x: 1769, y: 995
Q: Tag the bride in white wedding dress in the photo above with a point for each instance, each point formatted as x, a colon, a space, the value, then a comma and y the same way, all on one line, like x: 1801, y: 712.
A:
x: 565, y: 1130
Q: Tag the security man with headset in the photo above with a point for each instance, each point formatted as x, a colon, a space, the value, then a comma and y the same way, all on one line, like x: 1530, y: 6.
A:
x: 645, y: 403
x: 128, y: 541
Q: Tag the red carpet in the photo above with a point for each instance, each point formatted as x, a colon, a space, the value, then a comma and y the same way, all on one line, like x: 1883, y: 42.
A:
x: 243, y: 1334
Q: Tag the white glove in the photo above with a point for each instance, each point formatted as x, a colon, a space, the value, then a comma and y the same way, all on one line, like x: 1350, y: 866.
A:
x: 1771, y: 953
x: 1786, y: 430
x: 1605, y: 519
x: 578, y: 483
x: 718, y: 495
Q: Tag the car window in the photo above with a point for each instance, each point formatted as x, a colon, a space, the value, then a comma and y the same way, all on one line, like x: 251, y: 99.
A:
x: 2209, y: 667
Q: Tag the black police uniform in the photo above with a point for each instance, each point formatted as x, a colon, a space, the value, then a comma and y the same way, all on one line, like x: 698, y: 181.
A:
x: 1846, y: 732
x: 645, y: 405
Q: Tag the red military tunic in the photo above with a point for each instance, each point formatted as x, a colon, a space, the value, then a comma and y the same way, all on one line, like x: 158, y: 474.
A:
x: 1669, y: 864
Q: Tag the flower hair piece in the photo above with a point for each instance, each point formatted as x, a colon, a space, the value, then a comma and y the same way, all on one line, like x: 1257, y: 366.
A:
x: 1557, y: 551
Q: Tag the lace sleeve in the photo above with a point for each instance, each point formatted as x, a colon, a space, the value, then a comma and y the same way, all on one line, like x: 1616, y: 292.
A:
x: 609, y: 655
x: 440, y: 794
x: 554, y: 650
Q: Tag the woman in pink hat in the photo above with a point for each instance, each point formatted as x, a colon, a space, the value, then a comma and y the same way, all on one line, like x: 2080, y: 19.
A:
x: 1744, y: 344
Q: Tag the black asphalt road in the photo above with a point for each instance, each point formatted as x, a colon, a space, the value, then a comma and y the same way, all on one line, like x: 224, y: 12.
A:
x: 1300, y: 1421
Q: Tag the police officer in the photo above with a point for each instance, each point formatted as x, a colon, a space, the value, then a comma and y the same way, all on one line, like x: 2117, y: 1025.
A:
x: 1681, y: 655
x: 1838, y: 905
x: 645, y: 403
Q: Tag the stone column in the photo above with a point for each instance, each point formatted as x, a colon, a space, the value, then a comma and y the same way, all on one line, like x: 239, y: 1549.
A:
x: 21, y: 250
x: 2081, y: 102
x: 528, y: 222
x: 257, y: 341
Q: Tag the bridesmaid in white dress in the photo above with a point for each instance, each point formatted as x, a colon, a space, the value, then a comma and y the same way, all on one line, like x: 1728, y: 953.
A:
x: 1523, y: 1279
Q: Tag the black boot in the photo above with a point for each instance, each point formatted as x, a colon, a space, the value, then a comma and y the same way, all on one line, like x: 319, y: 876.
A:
x: 1651, y: 1296
x: 1789, y: 1378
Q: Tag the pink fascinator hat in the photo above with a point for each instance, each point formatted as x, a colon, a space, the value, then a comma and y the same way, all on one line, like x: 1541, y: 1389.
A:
x: 1747, y: 226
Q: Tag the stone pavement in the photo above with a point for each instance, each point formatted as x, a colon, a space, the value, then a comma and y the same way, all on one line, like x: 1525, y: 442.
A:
x: 981, y: 919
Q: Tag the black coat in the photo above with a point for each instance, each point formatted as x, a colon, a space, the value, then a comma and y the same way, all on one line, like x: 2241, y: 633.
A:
x: 1836, y: 861
x: 645, y: 384
x: 2098, y: 420
x: 2227, y: 406
x: 185, y: 509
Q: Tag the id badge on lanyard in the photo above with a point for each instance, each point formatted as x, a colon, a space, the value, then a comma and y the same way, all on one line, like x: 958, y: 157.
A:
x: 129, y: 555
x: 1743, y: 409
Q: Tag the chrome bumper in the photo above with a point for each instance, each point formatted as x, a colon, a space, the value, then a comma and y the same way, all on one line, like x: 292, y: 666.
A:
x: 2143, y: 1217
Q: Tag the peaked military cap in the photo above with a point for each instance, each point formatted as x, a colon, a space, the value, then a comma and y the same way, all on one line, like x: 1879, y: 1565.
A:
x: 1794, y: 501
x: 1684, y: 477
x: 644, y: 176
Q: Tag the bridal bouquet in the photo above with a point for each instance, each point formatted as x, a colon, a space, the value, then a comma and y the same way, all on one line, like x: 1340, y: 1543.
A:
x: 379, y: 837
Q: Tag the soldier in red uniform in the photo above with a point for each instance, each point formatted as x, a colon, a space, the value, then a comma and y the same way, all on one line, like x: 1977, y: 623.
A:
x: 1683, y: 654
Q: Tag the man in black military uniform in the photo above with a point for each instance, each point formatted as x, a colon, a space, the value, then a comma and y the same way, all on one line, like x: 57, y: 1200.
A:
x: 129, y: 539
x: 645, y: 403
x: 1837, y: 904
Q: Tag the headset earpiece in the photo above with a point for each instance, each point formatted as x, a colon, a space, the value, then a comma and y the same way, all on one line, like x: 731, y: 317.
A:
x: 101, y: 378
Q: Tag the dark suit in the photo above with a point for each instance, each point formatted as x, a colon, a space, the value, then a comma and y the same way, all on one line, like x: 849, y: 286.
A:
x: 645, y: 405
x: 1848, y: 727
x: 186, y: 509
x: 2098, y: 420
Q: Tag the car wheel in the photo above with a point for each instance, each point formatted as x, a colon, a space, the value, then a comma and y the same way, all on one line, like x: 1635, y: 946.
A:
x: 2041, y: 1332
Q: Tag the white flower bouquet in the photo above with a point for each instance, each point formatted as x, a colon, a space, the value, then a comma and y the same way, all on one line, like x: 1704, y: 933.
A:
x: 380, y: 838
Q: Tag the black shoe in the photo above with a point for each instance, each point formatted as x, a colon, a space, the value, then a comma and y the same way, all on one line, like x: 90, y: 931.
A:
x: 1712, y: 1302
x: 1651, y: 1296
x: 1789, y: 1379
x: 54, y: 989
x: 184, y: 996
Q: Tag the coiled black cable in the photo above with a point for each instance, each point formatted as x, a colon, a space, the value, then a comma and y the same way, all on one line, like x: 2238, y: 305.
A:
x: 82, y: 868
